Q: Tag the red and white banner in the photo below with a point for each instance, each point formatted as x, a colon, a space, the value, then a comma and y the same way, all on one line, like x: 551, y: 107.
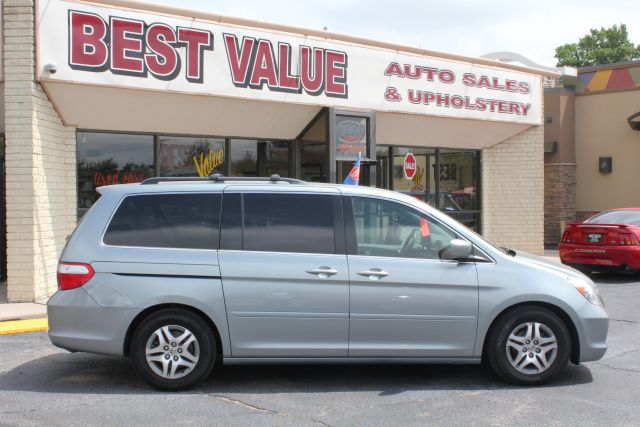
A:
x: 86, y: 43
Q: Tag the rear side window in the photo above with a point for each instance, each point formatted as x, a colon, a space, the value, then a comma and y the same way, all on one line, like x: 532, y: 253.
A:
x: 183, y: 221
x: 301, y: 223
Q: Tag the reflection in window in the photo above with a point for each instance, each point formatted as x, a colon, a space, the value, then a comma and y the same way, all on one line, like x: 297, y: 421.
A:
x: 244, y: 157
x: 314, y: 151
x: 276, y: 158
x: 458, y: 186
x: 185, y: 221
x: 423, y: 182
x: 185, y: 156
x: 110, y: 158
x: 300, y: 223
x: 390, y: 229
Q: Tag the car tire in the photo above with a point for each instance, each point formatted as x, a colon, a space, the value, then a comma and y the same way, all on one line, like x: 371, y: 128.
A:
x: 173, y: 349
x: 528, y: 346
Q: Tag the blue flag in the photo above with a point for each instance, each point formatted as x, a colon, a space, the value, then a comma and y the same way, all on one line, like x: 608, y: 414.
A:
x: 354, y: 176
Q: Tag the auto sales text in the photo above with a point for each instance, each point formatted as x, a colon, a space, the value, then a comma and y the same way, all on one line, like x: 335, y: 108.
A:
x: 448, y: 100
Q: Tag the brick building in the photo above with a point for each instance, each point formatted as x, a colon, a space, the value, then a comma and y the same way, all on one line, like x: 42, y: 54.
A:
x: 115, y: 91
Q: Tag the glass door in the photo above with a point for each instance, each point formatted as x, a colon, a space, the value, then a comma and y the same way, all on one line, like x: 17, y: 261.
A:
x: 344, y: 168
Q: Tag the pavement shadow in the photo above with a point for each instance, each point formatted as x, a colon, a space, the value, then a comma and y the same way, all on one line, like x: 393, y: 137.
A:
x: 92, y: 374
x: 623, y: 277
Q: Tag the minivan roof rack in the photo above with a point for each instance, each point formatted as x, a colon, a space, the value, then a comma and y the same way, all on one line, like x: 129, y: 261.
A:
x: 217, y: 177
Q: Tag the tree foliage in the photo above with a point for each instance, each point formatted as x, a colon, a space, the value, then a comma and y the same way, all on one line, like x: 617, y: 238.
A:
x: 603, y: 46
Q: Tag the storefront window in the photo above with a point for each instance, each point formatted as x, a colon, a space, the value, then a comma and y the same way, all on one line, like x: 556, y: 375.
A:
x: 118, y: 158
x: 244, y: 157
x: 314, y: 151
x: 459, y: 186
x: 111, y: 158
x: 422, y: 184
x: 187, y: 156
x: 453, y: 190
x: 458, y: 177
x: 276, y: 158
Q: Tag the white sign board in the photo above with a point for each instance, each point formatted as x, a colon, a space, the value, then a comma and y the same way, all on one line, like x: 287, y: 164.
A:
x: 102, y: 45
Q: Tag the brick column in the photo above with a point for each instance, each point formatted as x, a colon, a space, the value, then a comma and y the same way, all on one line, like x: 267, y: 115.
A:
x: 559, y: 200
x: 40, y: 165
x: 513, y: 191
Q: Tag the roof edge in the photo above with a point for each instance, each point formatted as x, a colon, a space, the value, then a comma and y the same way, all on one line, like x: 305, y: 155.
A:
x: 223, y: 19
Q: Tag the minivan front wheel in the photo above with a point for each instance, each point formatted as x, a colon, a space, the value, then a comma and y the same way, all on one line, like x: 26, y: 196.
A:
x: 173, y: 349
x: 529, y: 345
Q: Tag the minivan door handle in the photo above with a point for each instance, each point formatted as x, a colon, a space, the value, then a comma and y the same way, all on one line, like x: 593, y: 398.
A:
x: 323, y: 272
x: 373, y: 273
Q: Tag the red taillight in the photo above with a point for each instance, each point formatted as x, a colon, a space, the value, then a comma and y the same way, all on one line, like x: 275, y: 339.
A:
x: 628, y: 239
x: 72, y: 275
x: 568, y: 236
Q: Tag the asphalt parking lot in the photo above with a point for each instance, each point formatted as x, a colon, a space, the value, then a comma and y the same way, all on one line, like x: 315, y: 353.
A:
x: 42, y: 385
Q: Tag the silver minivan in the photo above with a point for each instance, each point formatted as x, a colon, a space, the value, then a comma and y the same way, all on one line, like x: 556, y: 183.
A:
x: 183, y: 274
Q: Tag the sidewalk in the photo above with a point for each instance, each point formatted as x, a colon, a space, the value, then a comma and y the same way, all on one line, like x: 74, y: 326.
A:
x: 21, y: 317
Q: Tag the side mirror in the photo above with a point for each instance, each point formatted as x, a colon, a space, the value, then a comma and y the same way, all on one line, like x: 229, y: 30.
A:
x: 458, y: 250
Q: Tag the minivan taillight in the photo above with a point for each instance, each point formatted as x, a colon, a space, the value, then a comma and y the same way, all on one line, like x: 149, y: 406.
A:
x: 72, y: 275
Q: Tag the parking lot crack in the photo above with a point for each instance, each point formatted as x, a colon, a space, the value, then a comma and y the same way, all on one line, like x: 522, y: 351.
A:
x: 248, y: 405
x: 617, y: 369
x: 625, y: 321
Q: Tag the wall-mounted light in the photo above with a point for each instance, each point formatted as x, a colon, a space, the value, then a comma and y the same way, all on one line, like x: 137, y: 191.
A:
x: 51, y: 68
x: 605, y: 164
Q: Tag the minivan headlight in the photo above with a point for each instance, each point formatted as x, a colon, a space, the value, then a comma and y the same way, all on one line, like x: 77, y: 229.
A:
x: 588, y: 290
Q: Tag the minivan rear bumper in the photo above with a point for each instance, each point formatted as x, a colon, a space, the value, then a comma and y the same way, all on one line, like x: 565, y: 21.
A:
x: 78, y: 323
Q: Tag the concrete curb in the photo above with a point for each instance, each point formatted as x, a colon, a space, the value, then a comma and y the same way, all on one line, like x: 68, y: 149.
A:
x: 20, y: 326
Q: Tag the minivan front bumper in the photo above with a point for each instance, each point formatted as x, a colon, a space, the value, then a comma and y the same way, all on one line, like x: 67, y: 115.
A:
x: 594, y: 322
x: 78, y: 323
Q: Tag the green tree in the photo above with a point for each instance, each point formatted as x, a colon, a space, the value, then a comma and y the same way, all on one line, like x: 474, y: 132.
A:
x: 603, y: 46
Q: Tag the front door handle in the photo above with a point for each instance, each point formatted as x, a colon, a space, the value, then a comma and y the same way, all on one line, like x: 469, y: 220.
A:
x: 323, y: 272
x: 373, y: 273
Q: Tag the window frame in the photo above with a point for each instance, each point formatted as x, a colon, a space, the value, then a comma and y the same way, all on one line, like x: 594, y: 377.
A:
x: 124, y: 197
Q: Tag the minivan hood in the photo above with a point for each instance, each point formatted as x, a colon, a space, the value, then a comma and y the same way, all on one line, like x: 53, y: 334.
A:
x: 538, y: 261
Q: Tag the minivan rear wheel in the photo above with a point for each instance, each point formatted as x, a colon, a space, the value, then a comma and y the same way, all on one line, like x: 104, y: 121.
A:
x: 173, y: 349
x: 529, y: 345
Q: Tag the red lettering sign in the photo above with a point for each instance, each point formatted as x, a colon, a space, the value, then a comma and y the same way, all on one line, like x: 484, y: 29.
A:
x: 128, y: 46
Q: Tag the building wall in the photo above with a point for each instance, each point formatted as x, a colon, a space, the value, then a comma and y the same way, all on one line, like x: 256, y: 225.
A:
x: 513, y: 191
x: 559, y: 127
x: 40, y: 166
x: 602, y: 130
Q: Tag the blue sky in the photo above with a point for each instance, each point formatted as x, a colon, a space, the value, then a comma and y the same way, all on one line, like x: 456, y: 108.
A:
x: 473, y: 28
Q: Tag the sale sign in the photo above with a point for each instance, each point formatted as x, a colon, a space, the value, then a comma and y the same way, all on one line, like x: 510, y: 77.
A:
x: 97, y: 44
x: 409, y: 166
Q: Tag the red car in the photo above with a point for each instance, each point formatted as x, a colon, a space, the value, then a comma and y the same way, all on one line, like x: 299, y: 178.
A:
x: 607, y: 241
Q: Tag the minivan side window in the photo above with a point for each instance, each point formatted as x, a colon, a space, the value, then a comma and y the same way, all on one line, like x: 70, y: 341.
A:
x: 301, y: 223
x: 389, y: 229
x: 182, y: 221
